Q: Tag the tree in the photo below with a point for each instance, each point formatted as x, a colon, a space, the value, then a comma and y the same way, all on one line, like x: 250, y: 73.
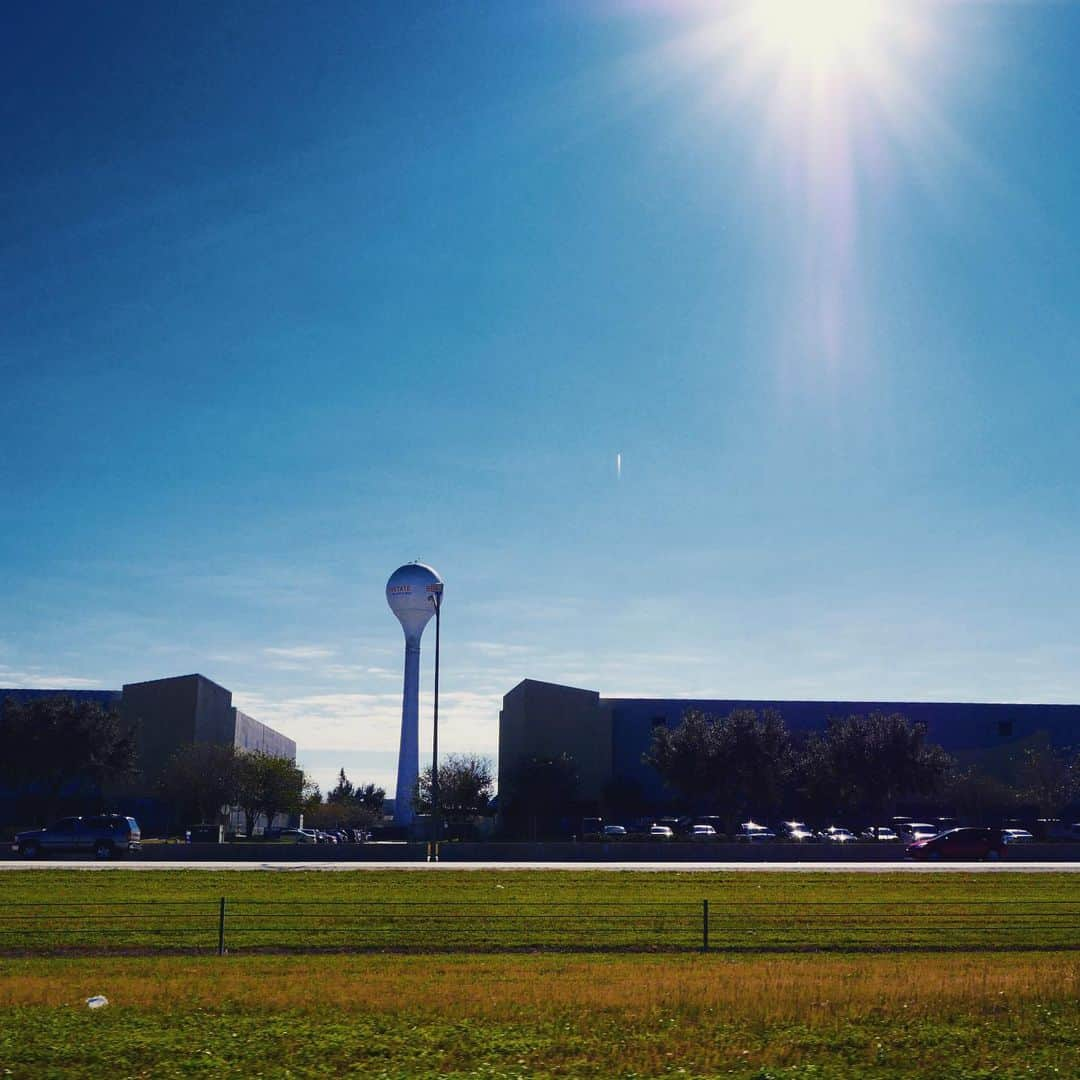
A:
x: 343, y: 792
x: 466, y: 782
x: 362, y: 811
x: 267, y: 786
x: 204, y: 778
x: 813, y: 788
x: 1050, y: 778
x: 735, y: 764
x: 49, y: 744
x: 371, y: 798
x: 873, y: 760
x: 978, y: 796
x: 688, y: 757
x: 756, y: 756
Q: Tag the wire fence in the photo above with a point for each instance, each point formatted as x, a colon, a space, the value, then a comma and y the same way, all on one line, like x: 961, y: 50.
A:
x: 238, y: 925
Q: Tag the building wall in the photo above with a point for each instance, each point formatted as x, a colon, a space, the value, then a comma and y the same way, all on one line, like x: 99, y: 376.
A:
x: 168, y: 714
x: 544, y: 720
x: 251, y: 734
x: 213, y: 712
x: 551, y: 719
x: 955, y: 725
x: 178, y: 711
x: 164, y: 712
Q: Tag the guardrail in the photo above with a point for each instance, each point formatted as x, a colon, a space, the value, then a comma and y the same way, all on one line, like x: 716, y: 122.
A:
x: 241, y: 925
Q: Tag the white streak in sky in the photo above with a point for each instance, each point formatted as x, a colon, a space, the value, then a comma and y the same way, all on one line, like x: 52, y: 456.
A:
x: 618, y: 466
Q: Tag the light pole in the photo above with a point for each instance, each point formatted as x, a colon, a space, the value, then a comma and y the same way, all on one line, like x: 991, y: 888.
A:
x: 436, y: 598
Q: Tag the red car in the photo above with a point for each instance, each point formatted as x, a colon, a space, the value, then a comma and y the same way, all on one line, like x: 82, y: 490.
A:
x: 960, y: 844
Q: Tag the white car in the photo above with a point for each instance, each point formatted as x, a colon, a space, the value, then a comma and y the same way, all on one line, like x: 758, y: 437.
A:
x: 614, y: 830
x: 920, y: 830
x: 883, y: 833
x: 752, y: 833
x: 661, y: 832
x: 702, y: 832
x: 1016, y: 836
x: 299, y: 836
x: 834, y: 834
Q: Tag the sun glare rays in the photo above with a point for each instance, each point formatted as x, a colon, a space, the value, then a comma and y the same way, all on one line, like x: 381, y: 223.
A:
x: 835, y: 97
x: 828, y: 75
x: 816, y: 34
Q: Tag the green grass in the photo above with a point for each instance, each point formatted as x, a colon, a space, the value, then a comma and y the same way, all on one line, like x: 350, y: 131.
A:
x: 957, y: 975
x: 70, y: 911
x: 827, y: 1017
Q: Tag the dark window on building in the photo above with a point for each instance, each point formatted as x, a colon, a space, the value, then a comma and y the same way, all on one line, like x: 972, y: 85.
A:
x: 1005, y: 729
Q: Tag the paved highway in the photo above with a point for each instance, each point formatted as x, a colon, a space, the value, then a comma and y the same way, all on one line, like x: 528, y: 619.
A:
x: 1011, y: 867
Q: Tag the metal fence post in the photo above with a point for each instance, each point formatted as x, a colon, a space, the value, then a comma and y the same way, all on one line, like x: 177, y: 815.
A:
x: 704, y: 925
x: 221, y: 929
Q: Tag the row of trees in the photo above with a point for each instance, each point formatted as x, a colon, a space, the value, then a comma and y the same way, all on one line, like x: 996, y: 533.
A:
x: 749, y: 763
x: 466, y: 786
x: 56, y: 749
x: 860, y: 766
x: 201, y: 779
x: 357, y: 807
x: 62, y: 755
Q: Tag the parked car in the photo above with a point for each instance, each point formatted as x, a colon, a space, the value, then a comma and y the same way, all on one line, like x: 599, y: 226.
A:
x: 797, y: 832
x: 104, y: 834
x: 919, y: 830
x: 1055, y: 829
x: 969, y: 843
x: 298, y: 836
x: 702, y: 832
x: 1017, y: 836
x: 613, y: 830
x: 752, y: 833
x: 837, y: 834
x: 661, y: 832
x: 880, y: 833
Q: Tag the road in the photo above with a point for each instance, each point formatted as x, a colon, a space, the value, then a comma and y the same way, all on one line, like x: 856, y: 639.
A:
x: 1012, y: 867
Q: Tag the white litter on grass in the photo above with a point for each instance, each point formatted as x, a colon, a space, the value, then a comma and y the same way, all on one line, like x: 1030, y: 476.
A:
x: 98, y: 1001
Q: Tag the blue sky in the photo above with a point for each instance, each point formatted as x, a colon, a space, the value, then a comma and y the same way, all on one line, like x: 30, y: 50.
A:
x: 293, y: 294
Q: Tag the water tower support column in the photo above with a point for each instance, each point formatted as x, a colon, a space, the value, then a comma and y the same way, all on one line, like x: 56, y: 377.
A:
x: 409, y: 747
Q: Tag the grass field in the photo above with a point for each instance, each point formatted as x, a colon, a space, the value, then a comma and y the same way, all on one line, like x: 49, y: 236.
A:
x: 957, y: 1013
x: 68, y: 911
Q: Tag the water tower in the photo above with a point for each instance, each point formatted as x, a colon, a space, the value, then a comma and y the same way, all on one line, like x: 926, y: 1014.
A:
x: 412, y: 593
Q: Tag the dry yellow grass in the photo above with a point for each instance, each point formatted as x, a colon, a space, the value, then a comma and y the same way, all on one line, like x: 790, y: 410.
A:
x: 883, y: 1016
x: 767, y: 989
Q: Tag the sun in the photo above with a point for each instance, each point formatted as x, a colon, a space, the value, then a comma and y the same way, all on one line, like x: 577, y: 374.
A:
x: 820, y: 35
x: 833, y: 102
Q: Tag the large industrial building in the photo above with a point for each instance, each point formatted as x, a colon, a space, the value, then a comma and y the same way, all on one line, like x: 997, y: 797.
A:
x: 168, y: 714
x: 607, y: 737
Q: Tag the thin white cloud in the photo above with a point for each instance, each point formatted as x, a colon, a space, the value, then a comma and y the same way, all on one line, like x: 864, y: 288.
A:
x: 301, y: 652
x: 37, y: 680
x: 372, y: 721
